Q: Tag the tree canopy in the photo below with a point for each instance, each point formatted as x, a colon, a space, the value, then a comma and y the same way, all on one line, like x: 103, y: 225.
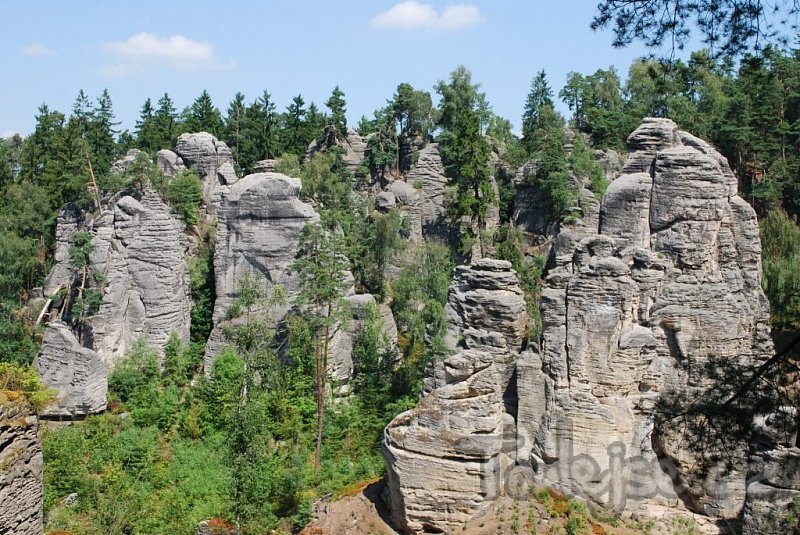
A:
x: 729, y: 27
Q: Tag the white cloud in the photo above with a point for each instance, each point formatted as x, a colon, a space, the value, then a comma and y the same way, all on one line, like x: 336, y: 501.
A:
x: 37, y: 50
x: 7, y: 134
x: 412, y: 15
x: 145, y: 51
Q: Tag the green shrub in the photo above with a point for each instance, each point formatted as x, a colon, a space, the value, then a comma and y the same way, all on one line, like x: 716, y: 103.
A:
x: 185, y: 194
x: 21, y: 384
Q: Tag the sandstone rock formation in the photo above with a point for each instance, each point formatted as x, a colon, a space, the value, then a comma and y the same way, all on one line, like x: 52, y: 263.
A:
x: 78, y: 373
x: 169, y: 163
x: 21, y: 476
x: 773, y: 489
x: 342, y: 366
x: 354, y: 148
x: 122, y: 165
x: 213, y: 161
x: 428, y: 178
x: 671, y: 281
x: 138, y: 266
x: 260, y: 221
x: 635, y: 307
x: 444, y: 456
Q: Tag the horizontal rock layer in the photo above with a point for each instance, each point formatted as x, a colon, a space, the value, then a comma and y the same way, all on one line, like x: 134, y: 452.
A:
x: 21, y: 476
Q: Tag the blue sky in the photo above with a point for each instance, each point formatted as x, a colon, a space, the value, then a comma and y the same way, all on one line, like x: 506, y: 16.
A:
x: 141, y: 49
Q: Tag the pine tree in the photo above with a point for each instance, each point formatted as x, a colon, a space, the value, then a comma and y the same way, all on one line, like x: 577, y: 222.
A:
x: 204, y: 117
x: 320, y: 267
x: 234, y: 126
x: 145, y: 131
x: 165, y: 124
x: 465, y: 153
x: 540, y: 95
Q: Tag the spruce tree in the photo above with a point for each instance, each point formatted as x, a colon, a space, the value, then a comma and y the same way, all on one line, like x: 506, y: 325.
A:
x: 336, y: 127
x: 466, y: 154
x: 145, y: 132
x: 294, y: 132
x: 540, y: 95
x: 165, y: 124
x: 204, y: 117
x: 234, y: 126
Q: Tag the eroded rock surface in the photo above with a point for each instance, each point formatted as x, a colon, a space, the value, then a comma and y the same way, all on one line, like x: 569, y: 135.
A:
x: 138, y: 268
x: 260, y: 221
x: 428, y: 178
x: 636, y: 312
x: 21, y: 476
x: 639, y: 300
x: 773, y: 490
x: 444, y: 457
x: 213, y: 161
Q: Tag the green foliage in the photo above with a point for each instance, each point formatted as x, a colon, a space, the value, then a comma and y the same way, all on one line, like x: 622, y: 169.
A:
x: 80, y: 248
x: 732, y: 27
x: 135, y: 373
x: 529, y: 272
x: 577, y: 518
x: 325, y: 183
x: 780, y: 238
x: 21, y: 384
x: 552, y: 175
x: 336, y: 127
x: 17, y: 342
x: 382, y: 147
x: 583, y: 164
x: 465, y: 152
x: 131, y: 479
x: 204, y: 117
x: 375, y: 239
x: 185, y: 194
x: 533, y: 118
x: 201, y: 283
x: 419, y: 294
x: 289, y: 165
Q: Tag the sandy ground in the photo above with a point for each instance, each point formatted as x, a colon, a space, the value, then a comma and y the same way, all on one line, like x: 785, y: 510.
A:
x: 363, y: 513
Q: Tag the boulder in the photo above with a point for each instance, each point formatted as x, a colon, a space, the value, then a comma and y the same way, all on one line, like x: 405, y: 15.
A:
x: 77, y: 373
x: 169, y: 163
x: 213, y: 161
x: 21, y: 476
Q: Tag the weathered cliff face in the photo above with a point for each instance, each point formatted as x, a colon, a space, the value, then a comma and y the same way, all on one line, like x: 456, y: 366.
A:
x: 428, y: 216
x: 637, y: 312
x: 635, y: 308
x: 138, y: 267
x: 21, y: 479
x: 444, y: 456
x: 210, y: 157
x: 260, y: 221
x: 773, y: 489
